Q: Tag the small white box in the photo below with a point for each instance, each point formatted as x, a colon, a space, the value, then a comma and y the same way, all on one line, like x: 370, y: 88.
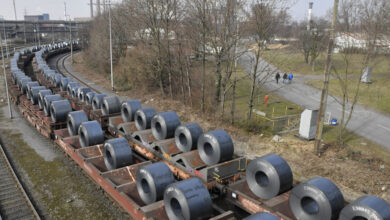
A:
x: 308, y: 124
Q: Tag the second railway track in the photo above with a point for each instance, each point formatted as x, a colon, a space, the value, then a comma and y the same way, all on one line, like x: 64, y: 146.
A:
x: 14, y: 202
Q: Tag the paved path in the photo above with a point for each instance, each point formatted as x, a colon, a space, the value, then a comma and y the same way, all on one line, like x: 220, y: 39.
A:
x: 365, y: 122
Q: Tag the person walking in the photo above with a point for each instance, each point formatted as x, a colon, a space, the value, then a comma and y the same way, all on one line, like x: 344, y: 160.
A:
x: 284, y: 77
x: 277, y: 77
x: 290, y: 77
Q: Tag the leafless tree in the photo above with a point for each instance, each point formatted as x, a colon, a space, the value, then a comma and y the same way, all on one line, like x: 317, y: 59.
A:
x: 265, y: 18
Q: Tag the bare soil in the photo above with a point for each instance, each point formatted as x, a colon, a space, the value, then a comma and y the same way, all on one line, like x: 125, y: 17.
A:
x: 355, y: 172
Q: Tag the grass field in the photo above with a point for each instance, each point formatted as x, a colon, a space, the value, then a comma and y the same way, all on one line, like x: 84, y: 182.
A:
x: 375, y: 95
x: 292, y: 60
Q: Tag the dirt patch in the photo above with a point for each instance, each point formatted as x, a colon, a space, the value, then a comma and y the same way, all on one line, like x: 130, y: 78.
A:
x: 356, y: 173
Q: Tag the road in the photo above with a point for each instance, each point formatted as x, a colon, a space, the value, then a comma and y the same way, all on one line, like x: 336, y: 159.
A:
x: 365, y: 122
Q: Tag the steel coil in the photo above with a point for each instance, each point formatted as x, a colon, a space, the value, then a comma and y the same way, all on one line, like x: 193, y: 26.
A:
x: 143, y: 118
x: 64, y: 83
x: 23, y: 85
x: 111, y: 105
x: 117, y: 153
x: 269, y: 176
x: 74, y: 121
x: 318, y: 198
x: 59, y: 110
x: 70, y: 87
x: 82, y: 92
x: 164, y: 125
x: 152, y: 180
x: 186, y: 136
x: 41, y: 96
x: 29, y: 85
x: 187, y: 199
x: 215, y: 147
x: 47, y: 102
x: 89, y: 97
x: 90, y: 133
x: 34, y: 93
x: 366, y: 207
x: 128, y: 109
x: 97, y: 101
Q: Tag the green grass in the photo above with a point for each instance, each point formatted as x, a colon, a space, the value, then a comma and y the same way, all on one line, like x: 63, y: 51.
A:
x: 292, y: 60
x: 375, y: 95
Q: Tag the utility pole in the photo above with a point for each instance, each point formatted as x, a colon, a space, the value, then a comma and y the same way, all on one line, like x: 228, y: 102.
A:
x: 16, y: 18
x: 5, y: 77
x: 324, y: 93
x: 5, y: 38
x: 39, y: 37
x: 91, y: 7
x: 109, y: 23
x: 70, y: 34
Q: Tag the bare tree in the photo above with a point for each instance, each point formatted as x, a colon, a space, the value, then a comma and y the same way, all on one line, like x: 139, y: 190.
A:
x: 265, y: 18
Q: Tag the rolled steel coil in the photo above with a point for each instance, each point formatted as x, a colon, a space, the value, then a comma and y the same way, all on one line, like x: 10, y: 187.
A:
x: 20, y: 80
x: 17, y: 77
x: 366, y: 207
x: 47, y: 102
x: 64, y: 83
x: 187, y: 135
x: 23, y: 85
x: 82, y: 92
x: 97, y: 101
x: 187, y: 199
x: 59, y: 110
x: 57, y: 79
x: 89, y: 97
x: 318, y: 198
x: 262, y: 216
x: 128, y: 109
x: 111, y: 105
x: 164, y: 125
x: 75, y: 92
x: 215, y: 147
x: 117, y: 153
x: 34, y: 93
x: 143, y: 118
x: 269, y: 176
x: 41, y: 96
x: 29, y: 85
x: 90, y: 133
x: 152, y: 180
x: 70, y: 87
x: 74, y: 121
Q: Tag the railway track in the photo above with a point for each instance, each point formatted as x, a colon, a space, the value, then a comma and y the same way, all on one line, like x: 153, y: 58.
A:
x: 61, y: 68
x: 14, y: 202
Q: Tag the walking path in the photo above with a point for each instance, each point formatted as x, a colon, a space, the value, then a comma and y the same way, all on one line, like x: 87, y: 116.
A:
x: 365, y: 122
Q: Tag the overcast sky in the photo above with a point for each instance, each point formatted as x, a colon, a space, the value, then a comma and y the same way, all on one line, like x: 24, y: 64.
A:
x: 80, y: 8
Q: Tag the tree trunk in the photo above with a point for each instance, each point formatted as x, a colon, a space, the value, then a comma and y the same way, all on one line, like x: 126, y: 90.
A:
x: 218, y: 80
x: 188, y: 81
x: 253, y: 87
x: 234, y: 100
x: 203, y: 56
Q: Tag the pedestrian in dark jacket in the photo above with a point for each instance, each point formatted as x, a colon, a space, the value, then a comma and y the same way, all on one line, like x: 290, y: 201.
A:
x: 277, y: 77
x: 284, y: 77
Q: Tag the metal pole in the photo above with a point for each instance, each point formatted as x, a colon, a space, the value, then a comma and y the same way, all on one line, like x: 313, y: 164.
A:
x: 39, y: 37
x: 71, y: 43
x: 324, y: 94
x: 109, y: 23
x: 5, y: 77
x: 16, y: 18
x: 5, y: 38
